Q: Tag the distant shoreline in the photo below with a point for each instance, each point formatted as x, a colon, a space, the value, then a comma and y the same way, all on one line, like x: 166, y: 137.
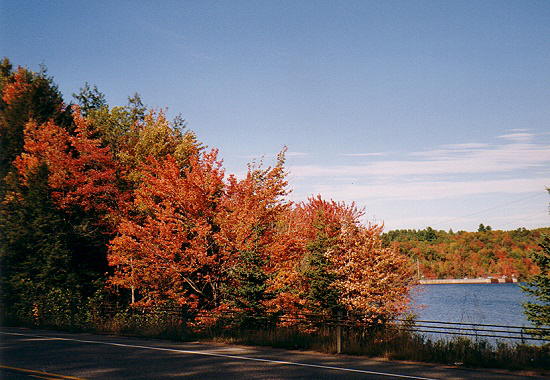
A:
x: 469, y: 281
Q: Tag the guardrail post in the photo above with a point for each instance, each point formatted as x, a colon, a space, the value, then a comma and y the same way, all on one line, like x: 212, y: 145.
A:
x: 521, y: 334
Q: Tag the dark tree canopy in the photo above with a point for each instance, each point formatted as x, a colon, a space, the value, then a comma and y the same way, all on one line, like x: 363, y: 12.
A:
x: 90, y: 98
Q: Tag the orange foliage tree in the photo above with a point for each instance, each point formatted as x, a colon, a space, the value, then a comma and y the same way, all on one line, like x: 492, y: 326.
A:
x: 339, y: 265
x: 165, y: 250
x: 82, y: 174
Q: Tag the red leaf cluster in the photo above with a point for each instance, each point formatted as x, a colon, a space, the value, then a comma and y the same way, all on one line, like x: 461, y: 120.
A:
x: 82, y: 173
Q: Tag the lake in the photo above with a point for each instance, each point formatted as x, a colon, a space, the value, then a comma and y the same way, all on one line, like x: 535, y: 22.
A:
x: 499, y: 304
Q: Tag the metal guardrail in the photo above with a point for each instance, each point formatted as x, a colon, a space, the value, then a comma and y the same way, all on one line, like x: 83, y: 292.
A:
x: 522, y: 333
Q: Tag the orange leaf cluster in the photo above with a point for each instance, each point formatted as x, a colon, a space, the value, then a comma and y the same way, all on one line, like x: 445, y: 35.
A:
x: 82, y: 173
x: 16, y: 88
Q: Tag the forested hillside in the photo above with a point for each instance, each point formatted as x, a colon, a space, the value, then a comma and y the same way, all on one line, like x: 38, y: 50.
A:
x: 462, y: 254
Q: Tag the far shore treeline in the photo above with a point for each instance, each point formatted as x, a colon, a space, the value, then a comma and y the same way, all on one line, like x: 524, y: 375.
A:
x: 118, y: 204
x: 484, y: 253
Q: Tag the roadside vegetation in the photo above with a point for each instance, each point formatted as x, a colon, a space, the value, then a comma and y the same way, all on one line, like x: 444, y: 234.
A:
x: 393, y: 340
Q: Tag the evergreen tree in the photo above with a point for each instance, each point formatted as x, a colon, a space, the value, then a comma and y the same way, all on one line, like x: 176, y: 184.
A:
x: 539, y: 287
x: 320, y: 293
x: 247, y: 288
x: 34, y: 254
x: 90, y: 98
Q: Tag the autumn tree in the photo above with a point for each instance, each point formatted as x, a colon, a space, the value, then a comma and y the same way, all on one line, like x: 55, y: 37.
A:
x: 53, y: 186
x: 56, y: 212
x: 134, y: 133
x: 92, y: 189
x: 25, y: 95
x: 115, y: 126
x: 82, y: 173
x: 372, y: 280
x: 165, y: 250
x: 248, y: 219
x: 156, y: 137
x: 468, y: 254
x: 342, y: 266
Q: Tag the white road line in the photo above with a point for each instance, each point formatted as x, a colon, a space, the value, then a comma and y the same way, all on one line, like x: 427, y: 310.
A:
x: 237, y: 357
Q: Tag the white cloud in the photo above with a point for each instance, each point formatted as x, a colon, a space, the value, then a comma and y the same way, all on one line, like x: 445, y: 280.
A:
x: 296, y: 154
x: 518, y: 136
x: 451, y: 174
x: 263, y: 156
x: 466, y: 146
x: 373, y: 154
x: 519, y: 130
x: 493, y: 159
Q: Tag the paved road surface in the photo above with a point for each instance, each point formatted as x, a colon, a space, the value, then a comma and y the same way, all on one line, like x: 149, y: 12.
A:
x: 31, y: 354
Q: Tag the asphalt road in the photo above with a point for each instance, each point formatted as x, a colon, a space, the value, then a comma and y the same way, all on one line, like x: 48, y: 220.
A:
x: 31, y: 354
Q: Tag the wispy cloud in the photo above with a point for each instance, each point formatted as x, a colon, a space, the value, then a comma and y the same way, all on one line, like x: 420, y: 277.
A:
x: 273, y: 155
x: 518, y: 136
x: 296, y: 154
x: 465, y: 146
x: 487, y: 159
x: 430, y: 190
x: 447, y: 172
x: 533, y: 219
x: 373, y: 154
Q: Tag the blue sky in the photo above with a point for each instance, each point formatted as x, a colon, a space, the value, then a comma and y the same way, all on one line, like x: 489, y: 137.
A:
x: 424, y: 112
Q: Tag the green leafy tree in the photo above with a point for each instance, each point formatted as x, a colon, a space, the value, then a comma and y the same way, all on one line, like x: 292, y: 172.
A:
x: 320, y: 293
x: 539, y: 286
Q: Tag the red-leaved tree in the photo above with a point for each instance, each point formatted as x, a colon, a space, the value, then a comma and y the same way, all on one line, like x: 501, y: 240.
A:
x: 165, y: 249
x: 82, y: 174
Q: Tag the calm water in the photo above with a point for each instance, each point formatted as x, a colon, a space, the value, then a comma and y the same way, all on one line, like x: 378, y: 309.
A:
x: 499, y: 304
x: 496, y: 304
